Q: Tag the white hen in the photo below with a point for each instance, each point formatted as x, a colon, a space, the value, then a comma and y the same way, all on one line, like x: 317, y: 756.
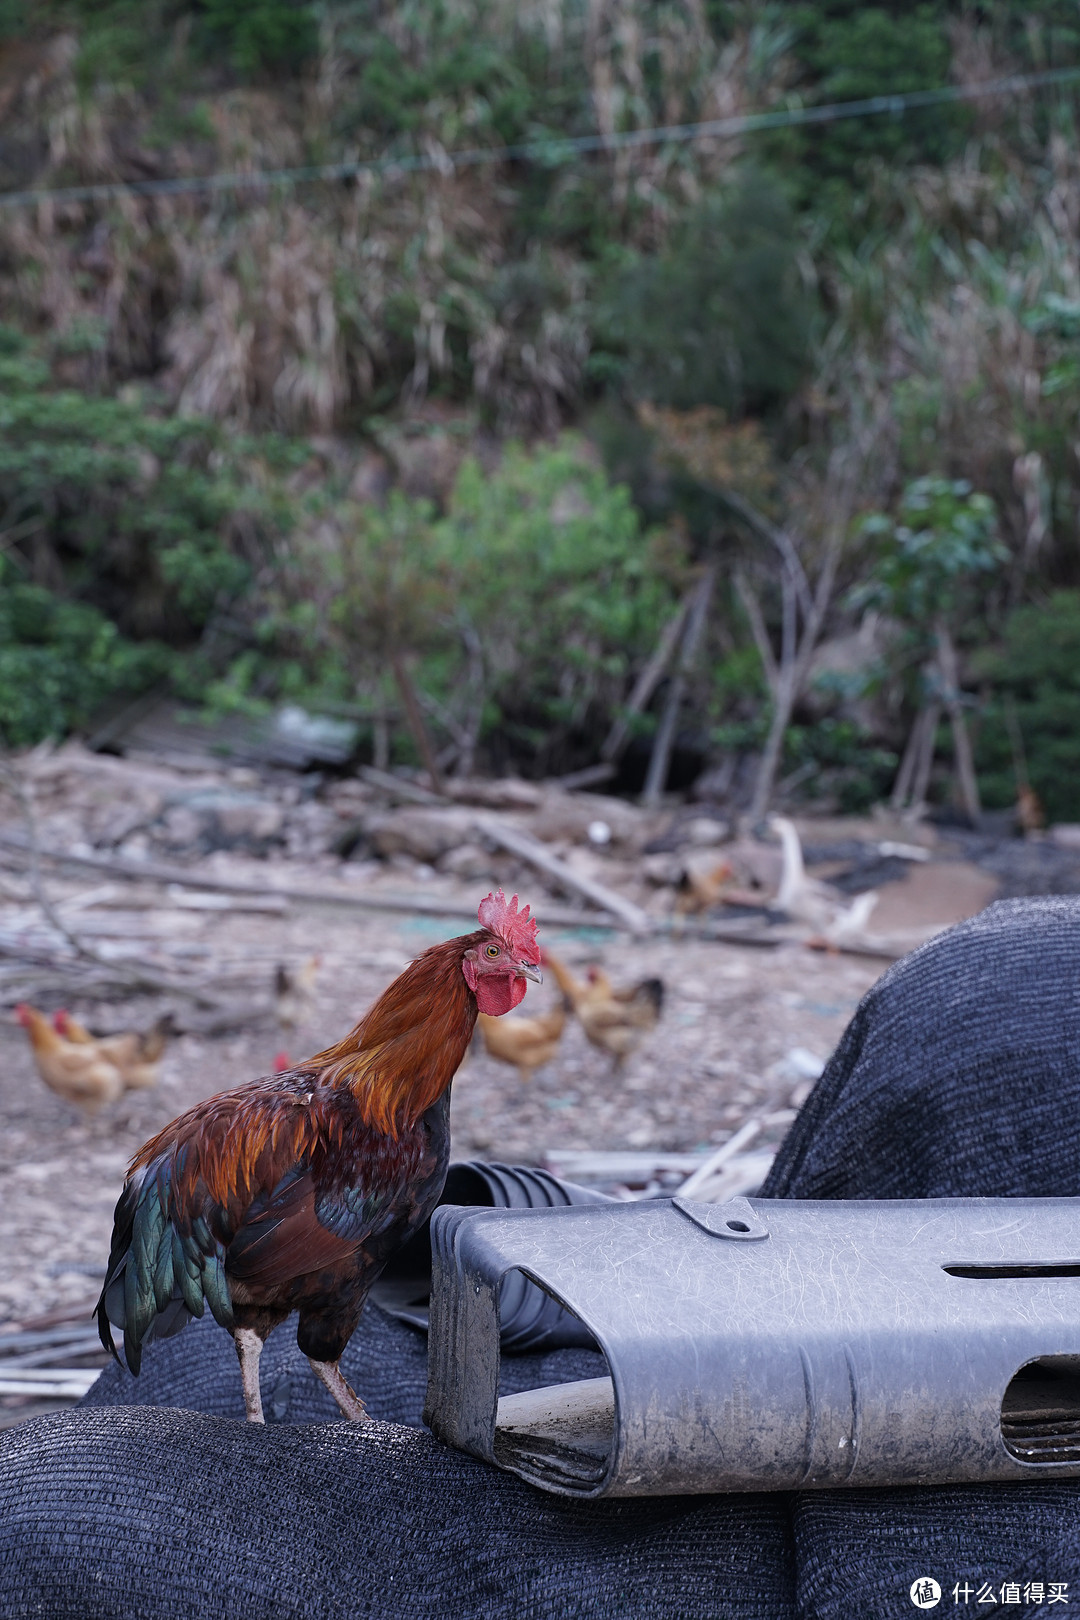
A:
x: 808, y: 900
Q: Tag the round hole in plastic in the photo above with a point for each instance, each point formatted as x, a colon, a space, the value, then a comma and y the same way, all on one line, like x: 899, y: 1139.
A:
x: 736, y: 1226
x: 1040, y: 1412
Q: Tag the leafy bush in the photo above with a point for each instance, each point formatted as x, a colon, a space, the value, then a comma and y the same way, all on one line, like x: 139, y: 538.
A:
x: 120, y: 524
x: 941, y: 540
x: 721, y: 318
x: 539, y: 584
x: 563, y: 587
x: 840, y: 761
x: 1035, y: 677
x: 59, y: 661
x: 146, y: 517
x: 124, y: 39
x: 261, y: 34
x: 855, y: 52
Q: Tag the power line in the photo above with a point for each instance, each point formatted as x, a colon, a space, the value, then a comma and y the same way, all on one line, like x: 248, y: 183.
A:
x: 552, y: 151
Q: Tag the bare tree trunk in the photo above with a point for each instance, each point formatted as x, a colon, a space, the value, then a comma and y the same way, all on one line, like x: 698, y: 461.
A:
x: 647, y: 681
x: 474, y: 718
x: 794, y: 666
x: 901, y: 788
x: 659, y: 763
x: 924, y: 763
x: 913, y: 777
x: 416, y: 720
x: 380, y: 741
x: 962, y: 751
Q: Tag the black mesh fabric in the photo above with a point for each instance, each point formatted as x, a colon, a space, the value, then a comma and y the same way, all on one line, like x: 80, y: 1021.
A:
x: 959, y: 1075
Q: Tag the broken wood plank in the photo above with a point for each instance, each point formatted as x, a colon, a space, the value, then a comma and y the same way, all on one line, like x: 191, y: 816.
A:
x: 419, y: 905
x: 529, y: 849
x: 715, y: 1162
x: 400, y: 787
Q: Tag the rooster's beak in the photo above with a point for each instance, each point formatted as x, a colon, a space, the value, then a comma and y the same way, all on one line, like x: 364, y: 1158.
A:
x: 530, y: 971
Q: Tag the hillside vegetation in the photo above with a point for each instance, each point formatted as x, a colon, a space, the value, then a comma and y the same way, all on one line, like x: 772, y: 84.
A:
x: 465, y: 437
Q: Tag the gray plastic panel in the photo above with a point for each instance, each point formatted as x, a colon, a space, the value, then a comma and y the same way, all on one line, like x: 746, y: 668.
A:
x: 771, y: 1344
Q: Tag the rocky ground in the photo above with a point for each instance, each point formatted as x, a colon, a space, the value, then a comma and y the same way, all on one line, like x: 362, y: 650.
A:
x: 740, y: 1028
x: 720, y: 1053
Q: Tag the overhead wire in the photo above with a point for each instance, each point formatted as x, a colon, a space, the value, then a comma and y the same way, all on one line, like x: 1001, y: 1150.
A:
x: 551, y: 150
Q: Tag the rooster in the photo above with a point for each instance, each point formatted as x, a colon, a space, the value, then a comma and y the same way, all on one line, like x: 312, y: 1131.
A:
x: 291, y: 1192
x: 135, y: 1055
x: 79, y: 1074
x: 615, y: 1020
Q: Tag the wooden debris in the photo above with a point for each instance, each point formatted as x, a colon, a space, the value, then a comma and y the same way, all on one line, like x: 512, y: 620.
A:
x: 528, y: 849
x: 37, y: 1364
x: 371, y: 900
x: 715, y: 1162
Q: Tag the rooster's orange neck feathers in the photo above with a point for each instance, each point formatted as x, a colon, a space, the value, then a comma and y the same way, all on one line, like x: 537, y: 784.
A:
x: 404, y: 1052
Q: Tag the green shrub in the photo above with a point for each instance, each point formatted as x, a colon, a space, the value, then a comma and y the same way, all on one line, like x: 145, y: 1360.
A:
x: 260, y: 34
x: 722, y: 318
x: 932, y: 553
x: 59, y: 661
x: 1035, y: 674
x: 121, y: 526
x: 564, y: 588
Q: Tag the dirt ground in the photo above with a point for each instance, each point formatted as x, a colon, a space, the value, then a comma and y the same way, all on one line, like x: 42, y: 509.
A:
x: 720, y: 1054
x: 741, y: 1026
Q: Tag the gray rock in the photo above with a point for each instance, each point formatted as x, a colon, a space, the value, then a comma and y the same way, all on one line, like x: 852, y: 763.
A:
x: 424, y: 834
x: 467, y: 861
x: 220, y: 819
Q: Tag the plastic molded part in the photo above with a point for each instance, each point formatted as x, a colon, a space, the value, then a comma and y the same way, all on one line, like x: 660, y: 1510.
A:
x: 531, y: 1319
x: 770, y: 1344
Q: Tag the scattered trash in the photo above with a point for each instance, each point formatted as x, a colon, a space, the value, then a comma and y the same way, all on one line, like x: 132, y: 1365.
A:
x: 802, y: 1064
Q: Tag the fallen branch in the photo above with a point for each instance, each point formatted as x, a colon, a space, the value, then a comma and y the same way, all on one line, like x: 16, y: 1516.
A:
x: 399, y: 787
x: 528, y: 849
x: 429, y: 905
x: 705, y: 1172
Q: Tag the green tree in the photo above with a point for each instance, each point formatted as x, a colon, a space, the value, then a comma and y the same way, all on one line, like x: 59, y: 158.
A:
x: 935, y: 557
x: 1035, y: 677
x: 563, y: 588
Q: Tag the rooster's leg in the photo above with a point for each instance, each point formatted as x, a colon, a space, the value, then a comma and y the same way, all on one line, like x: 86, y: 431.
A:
x: 249, y: 1349
x: 350, y: 1404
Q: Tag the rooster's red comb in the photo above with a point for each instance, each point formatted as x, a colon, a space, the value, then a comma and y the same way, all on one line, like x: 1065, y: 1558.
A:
x: 515, y: 928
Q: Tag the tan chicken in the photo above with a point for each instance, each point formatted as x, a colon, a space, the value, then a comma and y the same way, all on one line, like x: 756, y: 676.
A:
x: 614, y: 1020
x: 79, y: 1074
x: 525, y: 1043
x: 700, y: 890
x: 134, y: 1053
x: 294, y: 994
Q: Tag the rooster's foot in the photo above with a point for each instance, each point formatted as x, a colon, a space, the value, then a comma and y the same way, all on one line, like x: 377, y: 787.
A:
x: 349, y: 1403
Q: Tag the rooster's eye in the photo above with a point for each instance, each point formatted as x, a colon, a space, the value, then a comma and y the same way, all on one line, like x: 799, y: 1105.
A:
x: 491, y: 950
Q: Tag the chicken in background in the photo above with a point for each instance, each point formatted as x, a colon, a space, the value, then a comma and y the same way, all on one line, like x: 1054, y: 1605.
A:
x: 290, y: 1193
x: 614, y: 1020
x: 837, y: 921
x: 526, y: 1044
x: 701, y: 890
x: 294, y: 994
x: 134, y: 1053
x: 78, y: 1073
x: 1030, y: 815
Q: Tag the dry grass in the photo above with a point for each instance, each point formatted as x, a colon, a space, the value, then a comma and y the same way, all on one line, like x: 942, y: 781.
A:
x: 294, y: 308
